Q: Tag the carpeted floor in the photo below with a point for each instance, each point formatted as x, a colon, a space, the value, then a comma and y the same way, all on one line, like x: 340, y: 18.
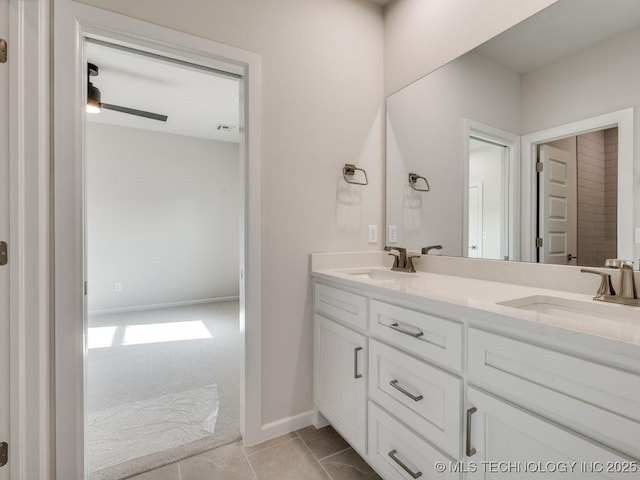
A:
x: 145, y: 356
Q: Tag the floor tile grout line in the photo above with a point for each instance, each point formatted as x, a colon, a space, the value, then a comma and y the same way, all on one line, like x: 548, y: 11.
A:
x: 179, y: 471
x: 334, y: 454
x: 314, y: 457
x: 268, y: 448
x: 253, y: 472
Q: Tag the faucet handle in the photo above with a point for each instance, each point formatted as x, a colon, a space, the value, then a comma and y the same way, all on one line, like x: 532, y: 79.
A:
x: 606, y: 287
x: 627, y: 281
x: 410, y: 267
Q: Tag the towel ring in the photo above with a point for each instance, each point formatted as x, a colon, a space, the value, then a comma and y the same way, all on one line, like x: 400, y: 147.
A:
x: 349, y: 170
x: 413, y: 181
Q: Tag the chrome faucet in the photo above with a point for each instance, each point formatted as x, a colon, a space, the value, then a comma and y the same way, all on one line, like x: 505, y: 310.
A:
x: 425, y: 250
x: 627, y: 293
x: 402, y: 262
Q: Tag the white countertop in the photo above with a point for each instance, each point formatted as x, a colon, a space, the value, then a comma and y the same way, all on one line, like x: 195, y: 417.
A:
x: 615, y: 328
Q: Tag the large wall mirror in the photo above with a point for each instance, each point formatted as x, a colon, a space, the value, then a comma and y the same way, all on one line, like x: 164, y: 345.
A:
x: 523, y: 149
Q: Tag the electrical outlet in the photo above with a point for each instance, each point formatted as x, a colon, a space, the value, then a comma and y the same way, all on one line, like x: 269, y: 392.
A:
x: 373, y: 233
x: 393, y: 234
x: 118, y: 287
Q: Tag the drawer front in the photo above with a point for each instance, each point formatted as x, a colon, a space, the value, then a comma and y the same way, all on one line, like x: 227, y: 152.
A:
x: 418, y: 394
x: 344, y: 306
x: 424, y: 335
x: 599, y: 401
x: 399, y: 454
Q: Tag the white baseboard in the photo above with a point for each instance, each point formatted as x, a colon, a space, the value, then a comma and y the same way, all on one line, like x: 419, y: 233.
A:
x: 283, y: 426
x: 137, y: 308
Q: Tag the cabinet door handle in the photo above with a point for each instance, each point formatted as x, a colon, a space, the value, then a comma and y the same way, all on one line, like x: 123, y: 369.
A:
x: 470, y: 450
x: 395, y: 326
x: 394, y: 384
x: 356, y: 375
x: 392, y: 454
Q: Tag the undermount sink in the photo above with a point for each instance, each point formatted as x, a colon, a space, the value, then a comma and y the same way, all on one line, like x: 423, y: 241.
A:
x: 574, y: 309
x: 374, y: 274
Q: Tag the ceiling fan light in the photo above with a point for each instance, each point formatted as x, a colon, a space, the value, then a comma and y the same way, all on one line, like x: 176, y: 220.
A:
x: 93, y: 99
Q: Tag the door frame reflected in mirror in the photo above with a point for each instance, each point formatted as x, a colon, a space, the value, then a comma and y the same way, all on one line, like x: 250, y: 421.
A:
x: 511, y: 141
x: 624, y: 120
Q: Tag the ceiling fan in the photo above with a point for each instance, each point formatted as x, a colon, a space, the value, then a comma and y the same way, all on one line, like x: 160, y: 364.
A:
x: 94, y: 105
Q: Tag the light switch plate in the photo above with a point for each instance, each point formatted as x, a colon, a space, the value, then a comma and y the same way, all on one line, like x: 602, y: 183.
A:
x: 393, y: 234
x: 373, y: 233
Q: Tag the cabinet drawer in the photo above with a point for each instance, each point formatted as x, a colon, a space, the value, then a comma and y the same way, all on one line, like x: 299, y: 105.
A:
x: 599, y: 401
x: 397, y: 453
x: 424, y: 335
x: 418, y: 394
x: 340, y: 305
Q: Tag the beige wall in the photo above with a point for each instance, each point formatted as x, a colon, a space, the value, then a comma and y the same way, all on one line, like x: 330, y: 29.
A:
x: 422, y: 35
x: 322, y: 96
x: 162, y: 217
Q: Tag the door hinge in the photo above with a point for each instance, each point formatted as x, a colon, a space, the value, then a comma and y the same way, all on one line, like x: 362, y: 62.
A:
x: 4, y: 256
x: 539, y: 242
x: 3, y: 50
x: 539, y: 167
x: 85, y: 287
x: 4, y: 453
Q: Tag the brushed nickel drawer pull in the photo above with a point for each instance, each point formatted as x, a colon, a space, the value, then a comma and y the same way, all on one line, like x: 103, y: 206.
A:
x: 392, y: 454
x: 395, y: 326
x: 470, y: 450
x: 356, y: 375
x: 394, y: 384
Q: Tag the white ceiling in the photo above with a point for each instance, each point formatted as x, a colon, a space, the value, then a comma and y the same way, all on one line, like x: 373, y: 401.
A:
x: 560, y: 30
x: 196, y: 101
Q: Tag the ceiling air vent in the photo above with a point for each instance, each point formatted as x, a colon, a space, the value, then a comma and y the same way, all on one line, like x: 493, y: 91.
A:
x: 224, y: 128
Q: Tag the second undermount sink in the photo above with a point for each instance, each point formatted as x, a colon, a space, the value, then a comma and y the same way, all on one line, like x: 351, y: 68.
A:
x: 574, y: 309
x: 379, y: 274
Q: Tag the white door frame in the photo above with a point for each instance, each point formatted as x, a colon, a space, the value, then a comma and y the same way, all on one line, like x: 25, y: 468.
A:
x: 511, y: 141
x: 73, y: 23
x: 479, y: 220
x: 30, y: 444
x: 623, y: 119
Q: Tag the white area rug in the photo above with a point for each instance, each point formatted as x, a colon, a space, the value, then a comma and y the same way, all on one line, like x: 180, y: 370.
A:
x: 138, y: 429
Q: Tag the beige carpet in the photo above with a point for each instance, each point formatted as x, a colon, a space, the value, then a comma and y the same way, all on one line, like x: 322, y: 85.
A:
x: 160, y: 361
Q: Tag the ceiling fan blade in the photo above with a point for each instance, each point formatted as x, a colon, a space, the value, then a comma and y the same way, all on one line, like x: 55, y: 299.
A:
x: 133, y: 111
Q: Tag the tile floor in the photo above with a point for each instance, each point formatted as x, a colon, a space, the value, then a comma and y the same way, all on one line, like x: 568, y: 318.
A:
x: 307, y: 454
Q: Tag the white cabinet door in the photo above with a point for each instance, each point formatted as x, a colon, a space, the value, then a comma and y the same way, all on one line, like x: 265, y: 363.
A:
x: 340, y: 379
x: 513, y: 443
x: 4, y: 236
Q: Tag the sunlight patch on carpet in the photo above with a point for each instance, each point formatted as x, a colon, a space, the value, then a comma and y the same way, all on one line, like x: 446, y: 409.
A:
x: 136, y: 429
x: 102, y: 337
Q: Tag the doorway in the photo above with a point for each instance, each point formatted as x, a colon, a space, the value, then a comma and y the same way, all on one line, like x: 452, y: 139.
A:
x: 490, y: 195
x: 488, y: 199
x: 578, y: 199
x: 161, y: 232
x: 623, y: 120
x: 75, y: 22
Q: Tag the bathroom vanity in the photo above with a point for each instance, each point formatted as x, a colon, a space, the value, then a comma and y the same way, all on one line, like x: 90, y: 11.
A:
x: 439, y: 376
